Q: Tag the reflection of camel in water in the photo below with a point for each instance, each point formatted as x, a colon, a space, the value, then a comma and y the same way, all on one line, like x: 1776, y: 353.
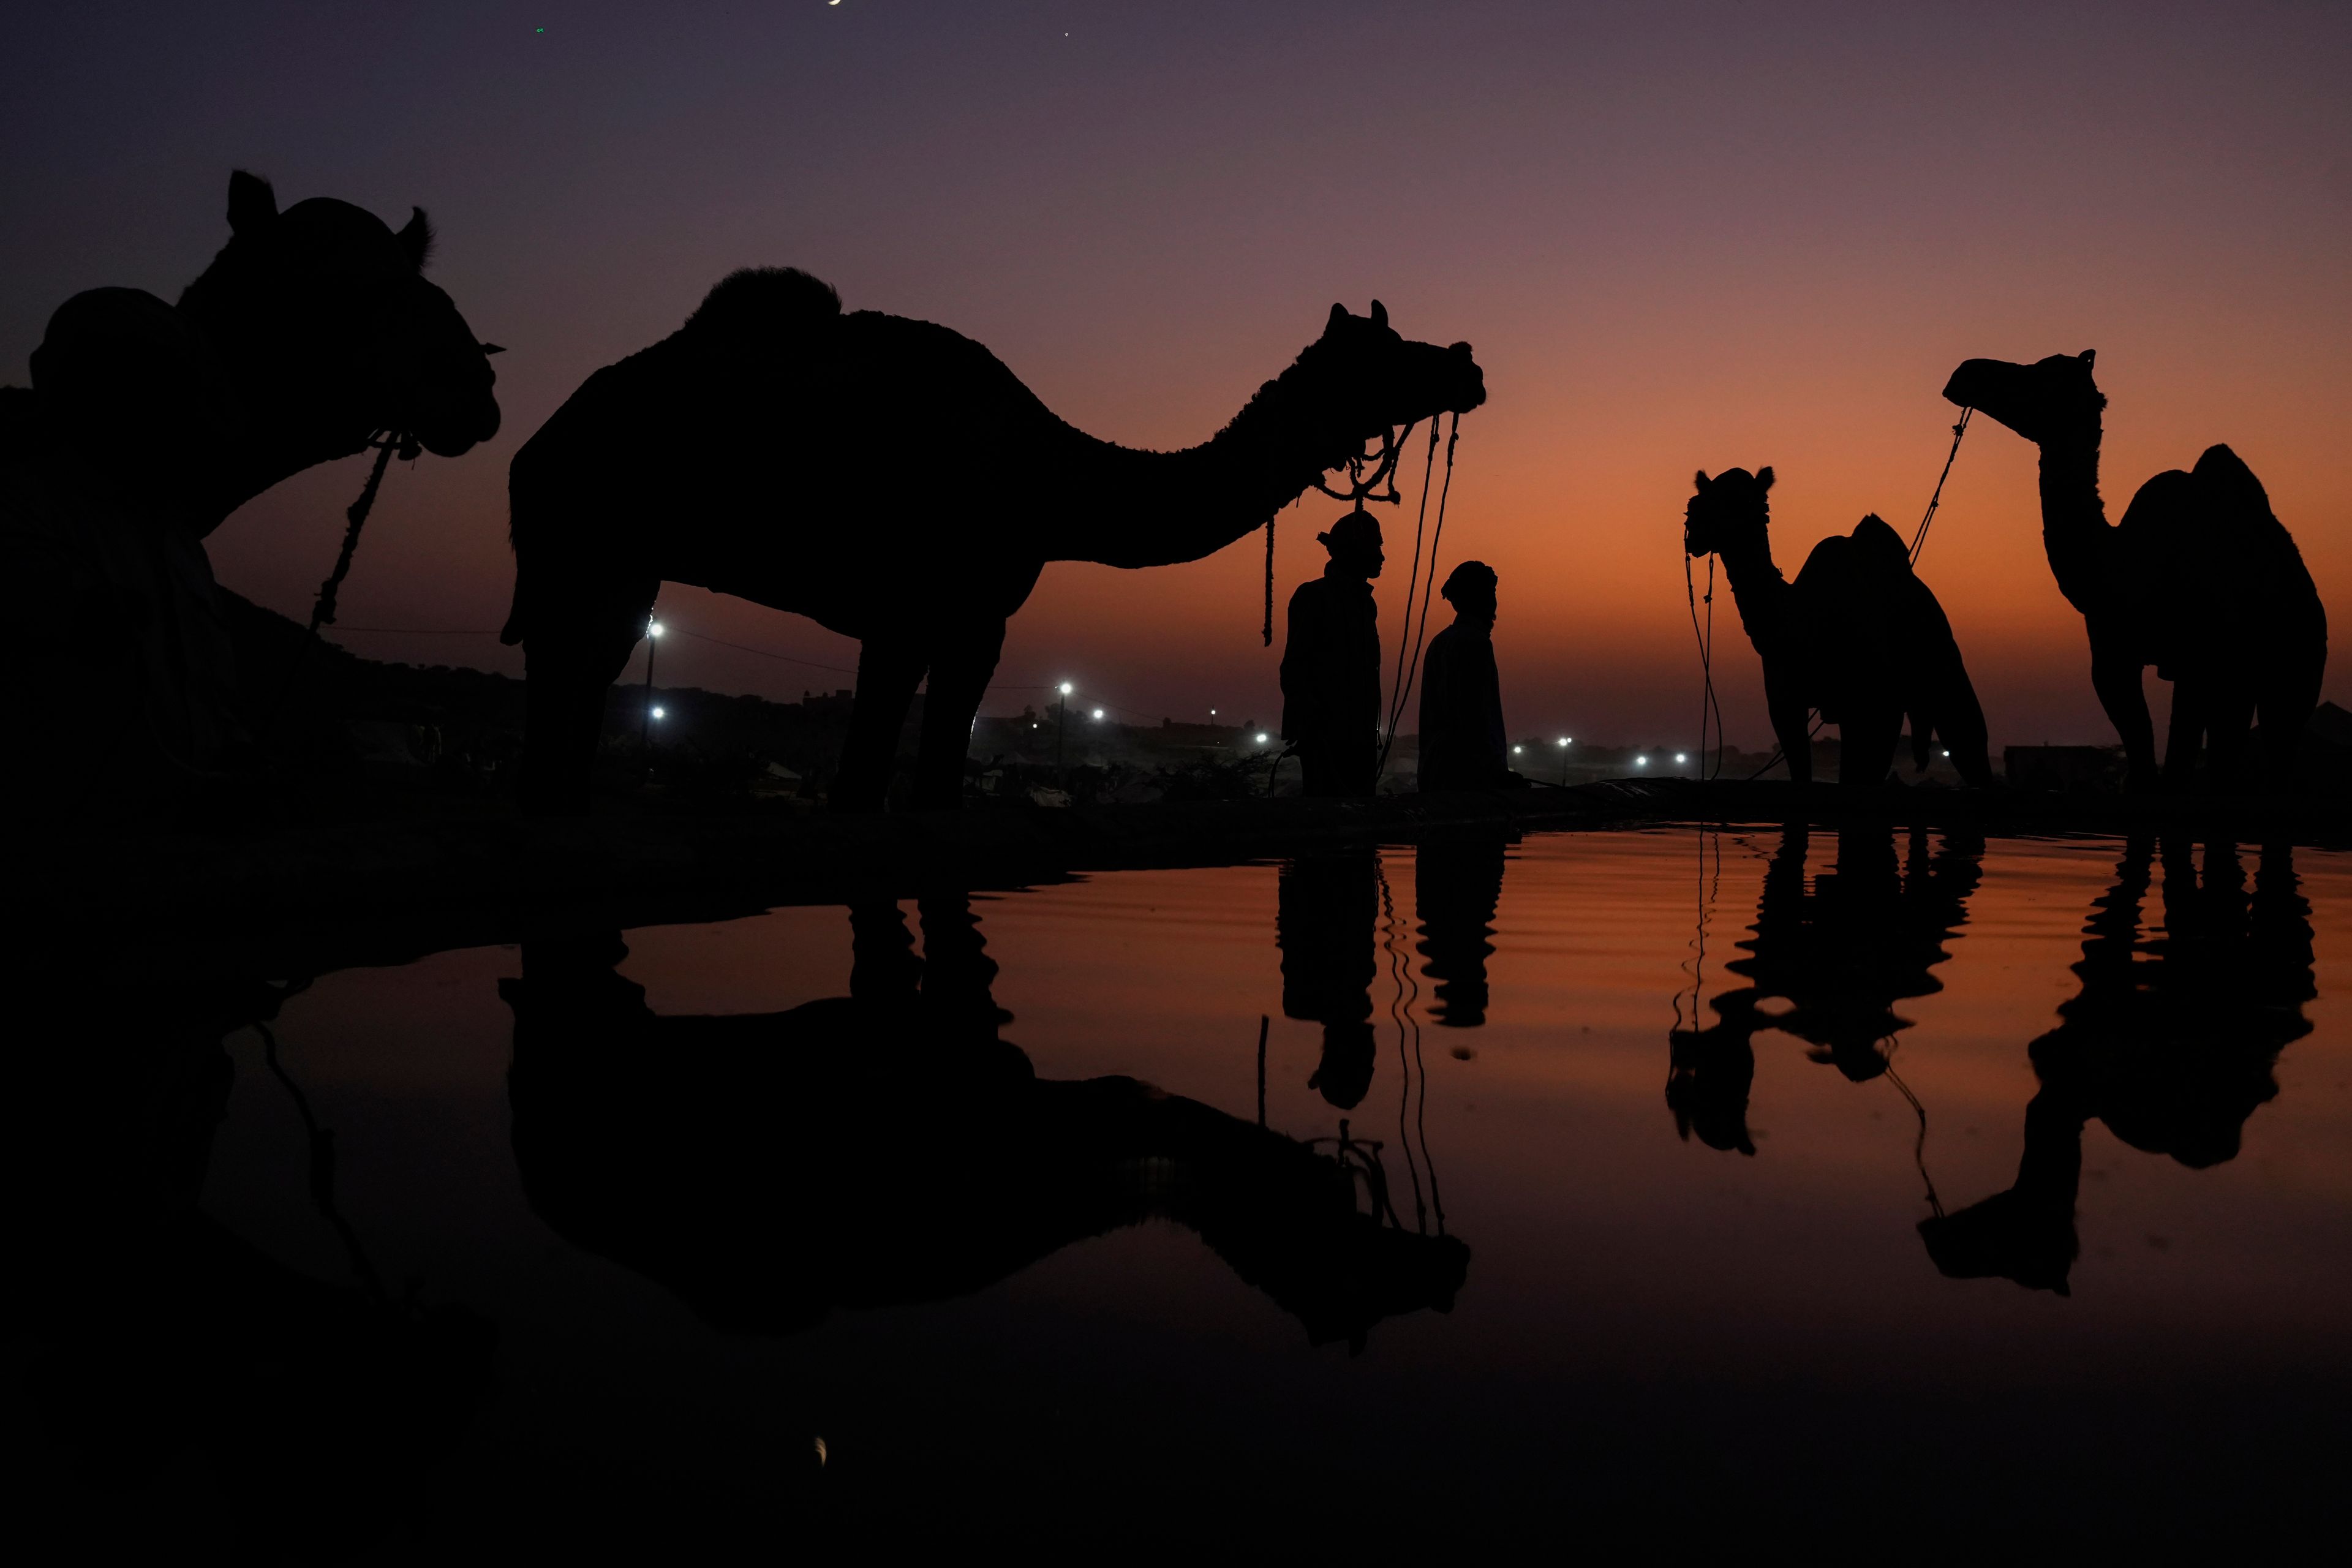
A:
x: 895, y: 482
x: 317, y: 1408
x: 888, y: 1147
x: 1841, y: 954
x: 2200, y: 579
x: 1857, y: 636
x: 2170, y: 1041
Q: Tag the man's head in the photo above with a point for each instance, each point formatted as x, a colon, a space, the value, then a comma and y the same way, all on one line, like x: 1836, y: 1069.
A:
x: 1470, y: 589
x: 1354, y: 543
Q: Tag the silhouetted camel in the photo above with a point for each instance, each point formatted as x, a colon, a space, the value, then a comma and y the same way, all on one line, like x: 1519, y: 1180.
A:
x: 2200, y: 579
x: 148, y: 423
x: 888, y: 1147
x: 892, y: 480
x: 1857, y: 636
x: 2171, y: 1043
x: 1866, y: 936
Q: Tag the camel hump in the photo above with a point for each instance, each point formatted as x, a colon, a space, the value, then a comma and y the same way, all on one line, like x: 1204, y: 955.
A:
x: 756, y: 303
x: 2227, y: 479
x: 1881, y: 545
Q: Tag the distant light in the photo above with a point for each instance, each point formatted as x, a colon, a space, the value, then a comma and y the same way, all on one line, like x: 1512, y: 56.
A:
x: 657, y: 712
x: 1641, y: 761
x: 653, y: 628
x: 1261, y: 739
x: 1098, y: 712
x: 1068, y: 689
x: 1948, y: 753
x: 1517, y: 750
x: 1680, y: 758
x: 1563, y: 740
x: 1212, y: 713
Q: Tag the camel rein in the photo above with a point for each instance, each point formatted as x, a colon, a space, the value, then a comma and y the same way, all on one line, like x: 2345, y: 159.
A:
x: 322, y: 610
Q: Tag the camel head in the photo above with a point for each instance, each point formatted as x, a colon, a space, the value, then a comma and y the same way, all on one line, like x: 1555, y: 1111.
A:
x: 1370, y: 379
x: 2051, y: 399
x: 329, y: 331
x: 1727, y: 507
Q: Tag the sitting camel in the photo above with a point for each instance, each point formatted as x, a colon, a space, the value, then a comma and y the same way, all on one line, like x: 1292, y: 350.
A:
x: 1857, y: 636
x: 2200, y: 579
x: 894, y: 481
x: 148, y: 423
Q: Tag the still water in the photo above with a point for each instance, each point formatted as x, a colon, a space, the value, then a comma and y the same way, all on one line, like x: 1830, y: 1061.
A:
x: 1873, y: 1190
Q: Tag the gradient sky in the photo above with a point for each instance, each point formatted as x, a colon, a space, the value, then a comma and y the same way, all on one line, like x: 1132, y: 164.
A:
x: 1678, y: 237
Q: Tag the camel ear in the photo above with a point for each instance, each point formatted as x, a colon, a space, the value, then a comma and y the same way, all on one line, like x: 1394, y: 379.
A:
x: 2086, y: 356
x: 1764, y: 477
x: 415, y: 239
x: 252, y: 205
x: 1703, y: 480
x: 1379, y: 314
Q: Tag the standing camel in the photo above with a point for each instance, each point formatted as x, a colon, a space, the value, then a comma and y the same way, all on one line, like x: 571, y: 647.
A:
x: 1857, y: 636
x: 2200, y: 579
x: 148, y: 423
x: 892, y: 480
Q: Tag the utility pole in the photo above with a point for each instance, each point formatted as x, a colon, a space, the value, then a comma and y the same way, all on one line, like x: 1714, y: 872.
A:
x: 1061, y: 729
x: 646, y: 722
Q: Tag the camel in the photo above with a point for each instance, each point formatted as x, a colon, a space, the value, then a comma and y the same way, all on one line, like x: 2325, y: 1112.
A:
x: 2200, y: 579
x: 892, y: 480
x: 148, y: 423
x: 1857, y: 636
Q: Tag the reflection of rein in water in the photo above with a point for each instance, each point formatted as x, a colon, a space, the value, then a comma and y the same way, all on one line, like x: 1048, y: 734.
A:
x: 317, y: 1408
x: 888, y: 1147
x: 2171, y: 1043
x: 1841, y: 954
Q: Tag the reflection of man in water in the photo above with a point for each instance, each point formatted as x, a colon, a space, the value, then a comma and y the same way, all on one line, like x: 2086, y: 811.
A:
x: 1332, y: 665
x: 1461, y: 740
x: 1457, y: 882
x: 1326, y: 909
x: 2170, y: 1041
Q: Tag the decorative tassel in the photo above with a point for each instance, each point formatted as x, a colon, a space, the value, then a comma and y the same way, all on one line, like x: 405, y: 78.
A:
x: 1267, y: 630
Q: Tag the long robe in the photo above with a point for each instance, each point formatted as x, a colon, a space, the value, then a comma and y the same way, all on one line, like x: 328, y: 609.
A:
x: 1463, y: 744
x: 1331, y: 684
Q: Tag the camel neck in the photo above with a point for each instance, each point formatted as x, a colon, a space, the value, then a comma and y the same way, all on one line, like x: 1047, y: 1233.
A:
x: 1756, y: 585
x: 288, y: 431
x: 1132, y: 508
x: 2073, y: 517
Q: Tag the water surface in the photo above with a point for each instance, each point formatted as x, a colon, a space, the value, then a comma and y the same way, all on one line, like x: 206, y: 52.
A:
x: 1871, y: 1188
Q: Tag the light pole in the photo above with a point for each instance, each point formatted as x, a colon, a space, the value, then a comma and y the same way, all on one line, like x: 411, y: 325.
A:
x: 646, y: 726
x: 1061, y: 729
x: 1564, y: 741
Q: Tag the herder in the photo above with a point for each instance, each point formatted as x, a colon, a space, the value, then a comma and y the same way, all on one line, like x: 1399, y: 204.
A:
x: 1331, y: 666
x: 1461, y: 740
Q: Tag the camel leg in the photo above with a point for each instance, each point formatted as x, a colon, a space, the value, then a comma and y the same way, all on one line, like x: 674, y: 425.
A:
x: 886, y: 674
x: 567, y: 667
x: 961, y: 669
x: 2114, y: 676
x: 2184, y: 734
x: 2287, y: 701
x: 2229, y: 739
x: 1792, y: 729
x: 1866, y: 747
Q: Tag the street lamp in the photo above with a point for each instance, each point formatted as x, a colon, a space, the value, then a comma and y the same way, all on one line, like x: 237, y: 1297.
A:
x: 1563, y: 760
x: 1097, y: 715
